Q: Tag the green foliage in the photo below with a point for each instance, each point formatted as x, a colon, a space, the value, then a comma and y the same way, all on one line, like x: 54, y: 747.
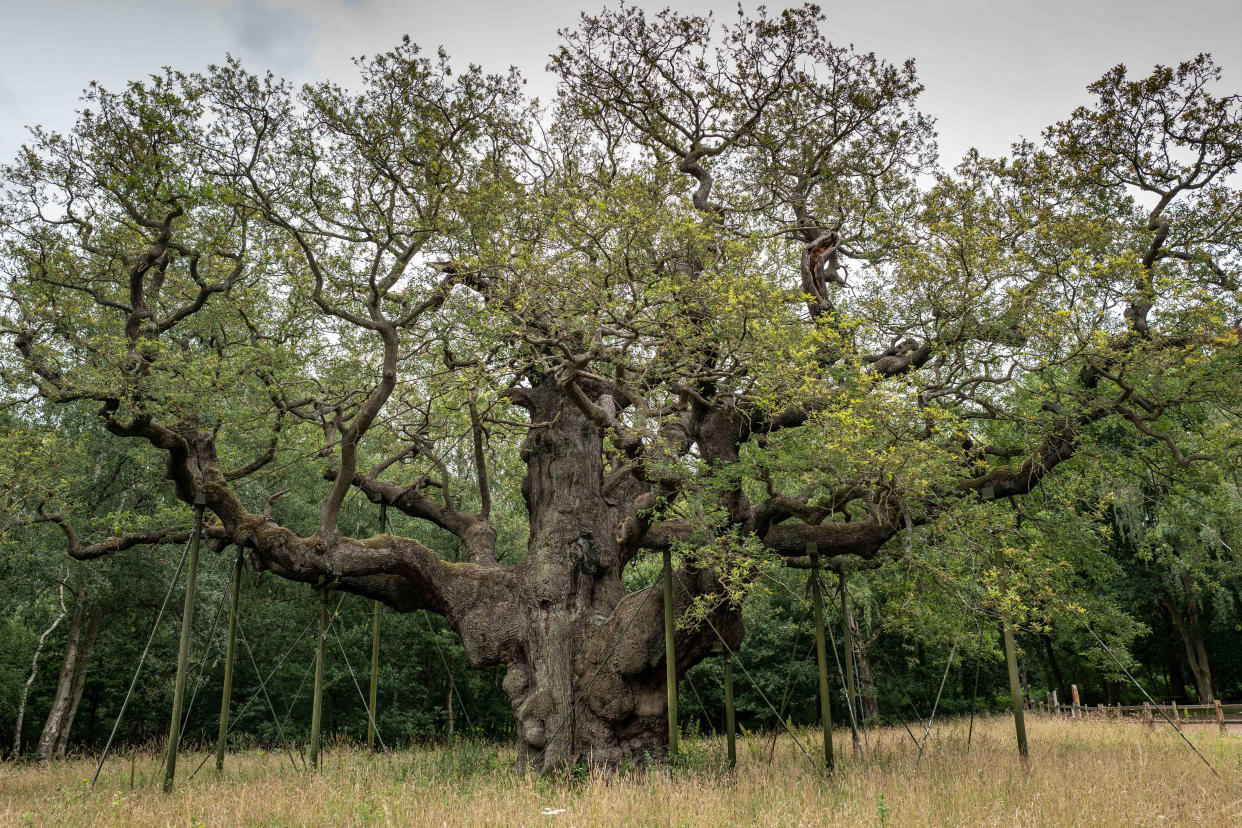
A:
x: 1020, y: 381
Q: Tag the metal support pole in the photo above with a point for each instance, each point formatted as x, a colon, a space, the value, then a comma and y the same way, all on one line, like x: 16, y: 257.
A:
x: 183, y: 652
x: 375, y: 639
x: 670, y: 655
x: 730, y: 713
x: 1015, y: 690
x: 848, y: 643
x: 821, y: 655
x: 226, y: 696
x: 448, y: 707
x: 317, y: 704
x: 375, y: 620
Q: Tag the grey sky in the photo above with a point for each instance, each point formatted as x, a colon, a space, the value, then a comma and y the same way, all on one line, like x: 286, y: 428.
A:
x: 993, y: 70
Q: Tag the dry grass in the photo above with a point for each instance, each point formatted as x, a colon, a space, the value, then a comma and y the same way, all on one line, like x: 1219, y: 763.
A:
x: 1081, y: 773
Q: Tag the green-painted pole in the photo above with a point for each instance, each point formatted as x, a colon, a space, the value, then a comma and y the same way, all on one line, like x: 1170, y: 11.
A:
x: 730, y: 714
x: 1015, y: 689
x: 670, y: 656
x: 375, y: 620
x: 849, y: 662
x: 821, y: 654
x: 375, y: 638
x: 317, y: 703
x: 226, y: 696
x: 183, y: 652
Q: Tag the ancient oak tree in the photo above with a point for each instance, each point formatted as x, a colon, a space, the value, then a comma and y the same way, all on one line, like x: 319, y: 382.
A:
x: 716, y: 297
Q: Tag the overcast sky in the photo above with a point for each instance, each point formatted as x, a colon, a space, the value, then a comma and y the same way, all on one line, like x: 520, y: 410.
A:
x: 994, y: 71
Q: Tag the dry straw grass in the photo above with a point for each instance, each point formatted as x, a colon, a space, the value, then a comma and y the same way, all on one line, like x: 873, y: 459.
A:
x: 1081, y: 773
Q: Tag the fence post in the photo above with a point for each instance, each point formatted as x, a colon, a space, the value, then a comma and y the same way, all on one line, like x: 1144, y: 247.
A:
x: 183, y: 651
x: 1175, y: 714
x: 1147, y: 717
x: 1056, y: 704
x: 1077, y: 709
x: 1220, y: 715
x: 821, y: 656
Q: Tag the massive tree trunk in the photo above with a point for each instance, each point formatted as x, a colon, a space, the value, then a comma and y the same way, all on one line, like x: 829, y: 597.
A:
x: 84, y: 628
x: 584, y: 659
x: 586, y: 672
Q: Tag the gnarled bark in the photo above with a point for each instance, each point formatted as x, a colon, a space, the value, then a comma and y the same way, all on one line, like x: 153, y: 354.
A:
x: 586, y: 669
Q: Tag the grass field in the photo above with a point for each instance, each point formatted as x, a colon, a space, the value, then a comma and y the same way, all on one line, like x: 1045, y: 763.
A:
x: 1080, y: 773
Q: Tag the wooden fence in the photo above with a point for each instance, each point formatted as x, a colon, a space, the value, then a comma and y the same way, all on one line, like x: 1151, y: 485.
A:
x: 1216, y: 713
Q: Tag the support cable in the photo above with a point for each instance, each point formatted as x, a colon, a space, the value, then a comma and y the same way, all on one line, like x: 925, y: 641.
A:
x: 974, y: 698
x: 818, y: 770
x: 1134, y: 681
x: 134, y: 681
x: 786, y: 693
x: 262, y: 684
x: 905, y: 694
x: 280, y: 729
x: 857, y: 689
x: 435, y: 640
x: 297, y: 694
x: 936, y: 704
x: 365, y: 705
x: 198, y: 679
x: 702, y: 706
x: 849, y: 703
x: 836, y: 658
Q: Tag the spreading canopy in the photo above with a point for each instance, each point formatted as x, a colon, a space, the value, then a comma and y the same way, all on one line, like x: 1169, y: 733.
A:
x: 718, y: 297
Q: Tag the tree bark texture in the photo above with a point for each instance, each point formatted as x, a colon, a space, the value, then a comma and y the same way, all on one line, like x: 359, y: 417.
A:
x: 34, y: 672
x: 585, y: 659
x: 1189, y: 626
x: 84, y: 626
